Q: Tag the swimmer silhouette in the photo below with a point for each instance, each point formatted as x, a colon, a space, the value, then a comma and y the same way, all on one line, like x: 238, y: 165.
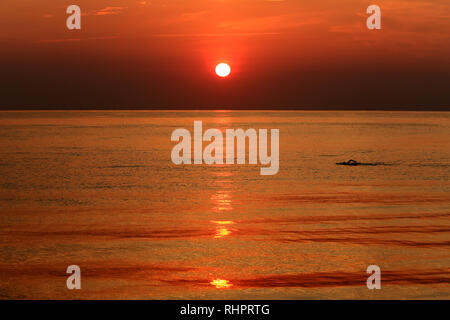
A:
x: 350, y: 162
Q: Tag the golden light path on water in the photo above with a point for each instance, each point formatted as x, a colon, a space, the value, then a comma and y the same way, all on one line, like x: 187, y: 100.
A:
x: 222, y: 199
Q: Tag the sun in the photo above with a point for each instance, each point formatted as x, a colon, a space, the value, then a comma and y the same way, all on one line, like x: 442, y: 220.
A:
x: 223, y: 70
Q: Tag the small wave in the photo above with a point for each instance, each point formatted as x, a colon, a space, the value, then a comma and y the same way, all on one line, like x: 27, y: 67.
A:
x: 337, y: 278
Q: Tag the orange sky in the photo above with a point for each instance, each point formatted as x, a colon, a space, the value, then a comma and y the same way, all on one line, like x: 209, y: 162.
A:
x: 282, y: 53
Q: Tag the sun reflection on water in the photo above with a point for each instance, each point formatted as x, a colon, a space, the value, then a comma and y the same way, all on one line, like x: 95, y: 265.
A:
x: 222, y: 232
x: 222, y: 201
x: 221, y: 229
x: 221, y: 283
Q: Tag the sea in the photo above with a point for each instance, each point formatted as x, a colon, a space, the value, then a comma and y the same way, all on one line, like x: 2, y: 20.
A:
x: 98, y: 189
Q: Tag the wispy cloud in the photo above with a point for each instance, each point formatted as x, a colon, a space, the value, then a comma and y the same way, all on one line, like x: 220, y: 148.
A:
x: 231, y: 34
x: 75, y: 39
x: 108, y: 11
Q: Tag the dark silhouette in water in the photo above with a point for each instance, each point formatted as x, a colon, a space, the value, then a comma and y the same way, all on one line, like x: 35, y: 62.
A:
x: 352, y: 162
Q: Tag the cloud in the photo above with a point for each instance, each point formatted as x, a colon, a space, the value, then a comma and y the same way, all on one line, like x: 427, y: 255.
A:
x: 75, y: 39
x: 230, y: 34
x: 108, y: 11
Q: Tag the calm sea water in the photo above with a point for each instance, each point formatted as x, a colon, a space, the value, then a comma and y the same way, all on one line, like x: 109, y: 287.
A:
x: 98, y: 189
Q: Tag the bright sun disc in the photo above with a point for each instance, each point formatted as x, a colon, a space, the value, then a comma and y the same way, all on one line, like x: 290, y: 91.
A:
x: 223, y: 70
